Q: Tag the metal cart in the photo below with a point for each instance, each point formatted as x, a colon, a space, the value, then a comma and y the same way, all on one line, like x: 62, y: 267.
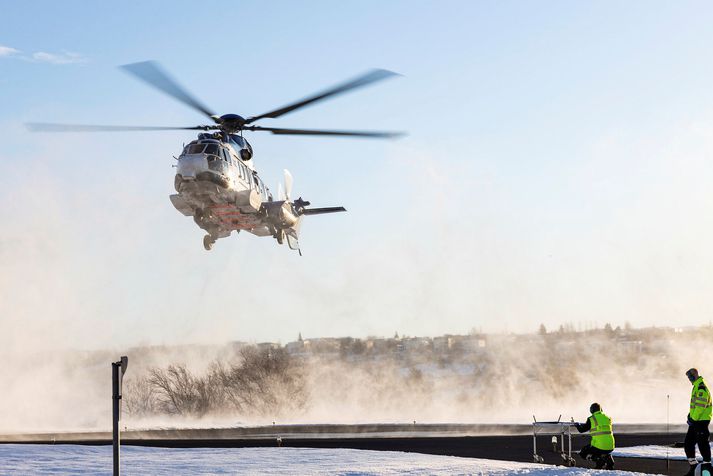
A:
x: 559, y: 429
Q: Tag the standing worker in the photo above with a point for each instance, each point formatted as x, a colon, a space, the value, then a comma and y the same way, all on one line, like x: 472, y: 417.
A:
x: 699, y: 417
x: 600, y: 429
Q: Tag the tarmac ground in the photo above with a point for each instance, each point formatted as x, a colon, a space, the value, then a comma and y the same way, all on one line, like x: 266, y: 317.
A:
x: 471, y: 441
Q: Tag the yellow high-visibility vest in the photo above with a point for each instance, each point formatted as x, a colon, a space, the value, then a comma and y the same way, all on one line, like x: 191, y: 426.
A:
x: 601, y: 431
x: 701, y: 407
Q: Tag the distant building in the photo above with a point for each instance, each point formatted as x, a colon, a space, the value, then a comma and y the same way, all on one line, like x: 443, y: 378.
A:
x: 300, y: 346
x: 442, y: 343
x: 267, y: 345
x: 325, y: 345
x: 415, y: 344
x: 470, y: 343
x: 634, y: 346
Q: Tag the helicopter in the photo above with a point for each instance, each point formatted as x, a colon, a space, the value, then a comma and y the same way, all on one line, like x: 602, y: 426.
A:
x: 216, y: 181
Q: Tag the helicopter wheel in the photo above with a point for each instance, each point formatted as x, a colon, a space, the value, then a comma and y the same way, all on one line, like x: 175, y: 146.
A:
x: 280, y: 236
x: 208, y: 242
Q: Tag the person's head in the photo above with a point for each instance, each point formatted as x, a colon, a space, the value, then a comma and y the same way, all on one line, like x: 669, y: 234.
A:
x: 692, y: 375
x: 595, y: 407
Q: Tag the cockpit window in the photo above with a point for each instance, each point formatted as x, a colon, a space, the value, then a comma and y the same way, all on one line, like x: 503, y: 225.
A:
x: 212, y: 149
x: 194, y: 149
x: 239, y: 141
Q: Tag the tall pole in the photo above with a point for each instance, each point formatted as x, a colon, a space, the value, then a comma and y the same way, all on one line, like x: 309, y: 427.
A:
x: 117, y: 375
x: 115, y: 399
x: 668, y: 399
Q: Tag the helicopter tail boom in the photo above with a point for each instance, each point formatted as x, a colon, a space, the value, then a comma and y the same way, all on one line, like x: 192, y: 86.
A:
x: 321, y: 211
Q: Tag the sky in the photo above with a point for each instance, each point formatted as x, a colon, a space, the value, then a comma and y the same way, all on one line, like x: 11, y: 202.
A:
x: 556, y: 170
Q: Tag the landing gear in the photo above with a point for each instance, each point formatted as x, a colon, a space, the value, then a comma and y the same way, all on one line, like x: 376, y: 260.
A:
x: 199, y: 217
x: 208, y: 242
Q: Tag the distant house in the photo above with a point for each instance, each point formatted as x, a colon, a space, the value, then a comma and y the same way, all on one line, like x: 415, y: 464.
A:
x: 634, y: 346
x: 443, y: 343
x: 415, y: 344
x: 325, y: 345
x: 470, y: 343
x: 298, y: 347
x: 268, y: 345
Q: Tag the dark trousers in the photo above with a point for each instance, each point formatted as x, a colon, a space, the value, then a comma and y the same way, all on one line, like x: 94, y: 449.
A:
x: 698, y: 434
x: 601, y: 457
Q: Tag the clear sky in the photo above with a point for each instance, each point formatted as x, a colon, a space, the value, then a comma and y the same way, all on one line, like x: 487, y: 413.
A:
x: 557, y: 169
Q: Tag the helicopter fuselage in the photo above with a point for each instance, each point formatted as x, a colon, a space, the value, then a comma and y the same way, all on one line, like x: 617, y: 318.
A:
x: 219, y: 187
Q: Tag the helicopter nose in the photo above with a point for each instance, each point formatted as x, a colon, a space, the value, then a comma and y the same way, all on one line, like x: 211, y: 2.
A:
x: 190, y: 166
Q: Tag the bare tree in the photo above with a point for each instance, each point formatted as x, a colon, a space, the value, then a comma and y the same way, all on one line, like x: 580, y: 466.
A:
x: 263, y: 382
x: 180, y: 392
x: 139, y: 396
x: 266, y: 381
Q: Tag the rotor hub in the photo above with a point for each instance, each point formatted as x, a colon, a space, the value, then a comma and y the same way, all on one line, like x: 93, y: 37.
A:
x: 232, y: 122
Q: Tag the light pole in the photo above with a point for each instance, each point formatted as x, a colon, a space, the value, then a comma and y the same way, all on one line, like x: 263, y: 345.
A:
x: 118, y: 369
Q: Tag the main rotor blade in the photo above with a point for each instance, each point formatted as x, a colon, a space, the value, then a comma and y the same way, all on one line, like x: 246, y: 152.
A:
x: 313, y: 132
x: 368, y: 78
x: 52, y: 127
x: 151, y: 73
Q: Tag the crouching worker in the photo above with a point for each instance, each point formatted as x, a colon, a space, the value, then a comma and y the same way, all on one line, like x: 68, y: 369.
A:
x: 600, y: 429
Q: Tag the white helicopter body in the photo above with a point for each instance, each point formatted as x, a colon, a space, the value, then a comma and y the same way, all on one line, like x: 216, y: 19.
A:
x: 224, y: 193
x: 216, y: 181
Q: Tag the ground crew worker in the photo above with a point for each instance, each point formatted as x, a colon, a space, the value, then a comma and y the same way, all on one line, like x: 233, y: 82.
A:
x: 599, y: 427
x: 699, y: 417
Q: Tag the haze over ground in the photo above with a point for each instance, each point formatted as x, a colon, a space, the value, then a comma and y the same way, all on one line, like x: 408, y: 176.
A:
x: 557, y: 170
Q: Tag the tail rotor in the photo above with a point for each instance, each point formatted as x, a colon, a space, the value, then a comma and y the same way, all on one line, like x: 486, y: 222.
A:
x: 288, y: 184
x: 286, y: 215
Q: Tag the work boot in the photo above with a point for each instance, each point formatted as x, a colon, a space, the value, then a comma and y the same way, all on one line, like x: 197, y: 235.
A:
x: 599, y: 462
x: 609, y: 462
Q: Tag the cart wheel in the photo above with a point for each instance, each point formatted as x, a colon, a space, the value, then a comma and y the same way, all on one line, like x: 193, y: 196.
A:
x: 539, y: 459
x: 571, y: 462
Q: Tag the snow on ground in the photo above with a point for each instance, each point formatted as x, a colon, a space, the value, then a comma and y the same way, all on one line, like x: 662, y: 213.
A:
x: 651, y: 451
x: 77, y: 459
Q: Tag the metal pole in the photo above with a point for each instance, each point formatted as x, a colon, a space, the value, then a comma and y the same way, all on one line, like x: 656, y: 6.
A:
x: 115, y: 396
x: 668, y: 398
x: 117, y: 375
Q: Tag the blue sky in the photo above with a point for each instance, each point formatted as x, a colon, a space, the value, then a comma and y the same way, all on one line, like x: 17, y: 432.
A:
x: 556, y: 169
